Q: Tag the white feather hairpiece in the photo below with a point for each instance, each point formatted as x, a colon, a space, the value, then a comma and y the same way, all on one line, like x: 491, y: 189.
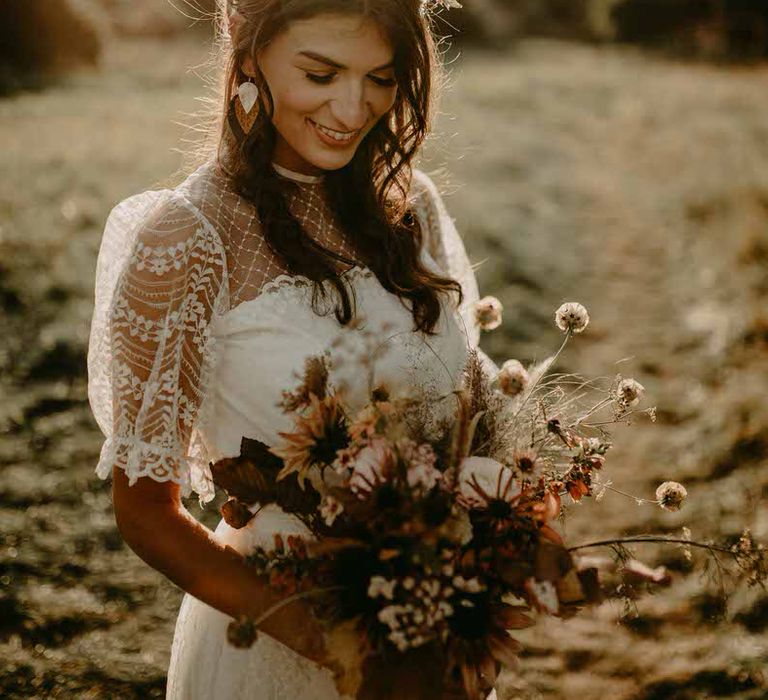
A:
x: 445, y: 4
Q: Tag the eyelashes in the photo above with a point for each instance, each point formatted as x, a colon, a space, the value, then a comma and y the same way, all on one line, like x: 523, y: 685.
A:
x: 319, y: 79
x: 327, y: 79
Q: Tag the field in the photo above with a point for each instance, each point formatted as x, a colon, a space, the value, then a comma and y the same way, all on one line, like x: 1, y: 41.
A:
x: 635, y: 185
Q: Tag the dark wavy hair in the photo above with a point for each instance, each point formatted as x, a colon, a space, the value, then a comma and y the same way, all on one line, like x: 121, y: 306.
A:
x: 368, y: 195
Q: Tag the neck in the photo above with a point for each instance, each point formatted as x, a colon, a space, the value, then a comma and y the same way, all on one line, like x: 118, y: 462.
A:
x: 283, y: 166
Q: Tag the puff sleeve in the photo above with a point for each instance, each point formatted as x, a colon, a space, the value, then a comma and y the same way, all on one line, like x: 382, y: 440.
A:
x: 446, y: 247
x: 161, y: 277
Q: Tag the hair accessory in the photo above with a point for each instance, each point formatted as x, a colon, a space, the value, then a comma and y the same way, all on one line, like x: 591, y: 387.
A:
x: 445, y: 4
x: 235, y: 20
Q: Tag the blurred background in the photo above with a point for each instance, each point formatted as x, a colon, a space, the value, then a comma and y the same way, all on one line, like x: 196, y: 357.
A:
x: 613, y: 152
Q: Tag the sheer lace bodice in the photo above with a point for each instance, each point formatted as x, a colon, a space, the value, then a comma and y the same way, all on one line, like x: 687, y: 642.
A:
x: 173, y: 262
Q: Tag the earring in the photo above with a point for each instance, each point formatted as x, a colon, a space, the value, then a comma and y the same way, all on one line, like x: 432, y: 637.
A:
x: 244, y: 108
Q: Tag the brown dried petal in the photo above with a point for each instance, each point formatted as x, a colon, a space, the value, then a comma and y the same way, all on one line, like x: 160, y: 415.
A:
x: 569, y: 588
x: 236, y: 514
x: 590, y: 584
x: 512, y: 618
x: 505, y: 649
x: 552, y: 561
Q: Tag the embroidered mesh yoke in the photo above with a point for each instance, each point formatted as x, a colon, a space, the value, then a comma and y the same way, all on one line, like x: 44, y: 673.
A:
x: 198, y: 329
x: 171, y: 263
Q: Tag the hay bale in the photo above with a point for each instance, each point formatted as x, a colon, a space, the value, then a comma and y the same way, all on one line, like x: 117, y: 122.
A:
x: 44, y: 37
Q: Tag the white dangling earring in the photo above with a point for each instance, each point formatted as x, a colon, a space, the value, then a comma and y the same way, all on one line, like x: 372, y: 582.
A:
x: 243, y: 108
x: 248, y: 94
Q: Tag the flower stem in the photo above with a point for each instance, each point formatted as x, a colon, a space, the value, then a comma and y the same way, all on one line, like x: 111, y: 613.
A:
x: 290, y: 599
x: 651, y: 538
x: 637, y: 499
x: 529, y: 392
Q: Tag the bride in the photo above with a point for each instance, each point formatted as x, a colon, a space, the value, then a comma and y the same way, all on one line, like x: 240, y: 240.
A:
x: 307, y: 223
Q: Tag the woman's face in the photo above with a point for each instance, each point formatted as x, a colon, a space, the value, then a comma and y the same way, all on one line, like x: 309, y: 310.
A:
x: 331, y: 79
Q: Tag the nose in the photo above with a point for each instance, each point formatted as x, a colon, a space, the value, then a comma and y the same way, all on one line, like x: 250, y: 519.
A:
x: 351, y: 107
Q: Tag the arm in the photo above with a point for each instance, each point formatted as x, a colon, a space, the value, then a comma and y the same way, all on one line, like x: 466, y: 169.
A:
x: 157, y: 527
x: 161, y: 277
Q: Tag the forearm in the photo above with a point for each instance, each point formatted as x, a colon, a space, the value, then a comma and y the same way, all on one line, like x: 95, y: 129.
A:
x: 186, y: 552
x: 155, y: 524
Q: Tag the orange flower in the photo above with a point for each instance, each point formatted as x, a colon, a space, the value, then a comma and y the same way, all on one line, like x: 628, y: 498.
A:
x: 317, y: 437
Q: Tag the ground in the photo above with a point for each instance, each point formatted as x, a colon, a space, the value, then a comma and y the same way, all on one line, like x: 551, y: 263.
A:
x: 634, y: 185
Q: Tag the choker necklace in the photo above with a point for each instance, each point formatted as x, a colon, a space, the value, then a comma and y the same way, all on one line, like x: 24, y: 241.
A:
x: 298, y: 177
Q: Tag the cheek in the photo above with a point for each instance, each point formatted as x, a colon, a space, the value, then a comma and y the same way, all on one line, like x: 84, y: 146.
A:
x: 296, y: 100
x: 382, y: 103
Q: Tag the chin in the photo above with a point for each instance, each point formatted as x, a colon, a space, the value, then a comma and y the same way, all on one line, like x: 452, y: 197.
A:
x: 331, y: 161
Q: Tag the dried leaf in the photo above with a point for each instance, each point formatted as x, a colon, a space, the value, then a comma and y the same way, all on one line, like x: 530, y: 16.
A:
x: 569, y: 588
x: 553, y: 561
x: 505, y: 650
x: 241, y: 478
x: 512, y: 617
x: 236, y: 514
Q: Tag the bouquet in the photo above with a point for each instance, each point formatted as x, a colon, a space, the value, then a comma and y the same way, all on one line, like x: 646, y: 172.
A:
x: 433, y: 523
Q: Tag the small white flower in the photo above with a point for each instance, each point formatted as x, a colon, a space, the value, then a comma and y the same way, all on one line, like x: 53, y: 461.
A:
x: 330, y: 509
x: 513, y: 378
x: 379, y: 586
x: 471, y: 585
x: 670, y: 495
x: 544, y: 595
x: 629, y: 392
x: 409, y: 582
x: 390, y: 616
x: 488, y: 313
x: 572, y: 316
x: 423, y: 476
x: 459, y: 527
x: 399, y: 640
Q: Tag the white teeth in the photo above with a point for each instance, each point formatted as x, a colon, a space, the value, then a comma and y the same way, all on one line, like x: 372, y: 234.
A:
x: 335, y: 135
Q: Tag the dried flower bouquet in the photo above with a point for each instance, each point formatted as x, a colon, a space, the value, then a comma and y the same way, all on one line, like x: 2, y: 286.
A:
x: 427, y: 550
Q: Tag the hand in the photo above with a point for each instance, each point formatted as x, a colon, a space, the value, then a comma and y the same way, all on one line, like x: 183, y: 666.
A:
x: 295, y: 626
x: 339, y: 648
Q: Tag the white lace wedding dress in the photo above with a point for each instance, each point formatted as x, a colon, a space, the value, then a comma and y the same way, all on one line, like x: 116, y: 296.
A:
x: 197, y: 330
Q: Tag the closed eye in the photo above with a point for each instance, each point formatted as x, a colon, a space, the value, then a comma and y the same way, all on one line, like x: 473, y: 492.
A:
x: 322, y: 79
x: 384, y: 82
x: 327, y: 78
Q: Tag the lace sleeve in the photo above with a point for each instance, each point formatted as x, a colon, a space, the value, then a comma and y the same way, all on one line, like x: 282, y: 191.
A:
x: 161, y: 276
x: 445, y: 246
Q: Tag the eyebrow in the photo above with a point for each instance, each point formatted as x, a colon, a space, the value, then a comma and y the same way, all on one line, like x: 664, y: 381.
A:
x: 334, y: 64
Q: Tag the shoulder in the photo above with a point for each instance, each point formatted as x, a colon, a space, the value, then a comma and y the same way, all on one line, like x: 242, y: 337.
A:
x: 154, y: 237
x: 426, y: 198
x: 423, y: 190
x: 162, y: 218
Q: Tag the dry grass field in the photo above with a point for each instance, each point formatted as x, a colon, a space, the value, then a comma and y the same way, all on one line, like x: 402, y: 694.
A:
x: 635, y: 185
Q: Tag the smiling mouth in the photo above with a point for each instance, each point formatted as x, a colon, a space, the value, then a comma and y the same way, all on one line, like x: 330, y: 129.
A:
x: 338, y: 136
